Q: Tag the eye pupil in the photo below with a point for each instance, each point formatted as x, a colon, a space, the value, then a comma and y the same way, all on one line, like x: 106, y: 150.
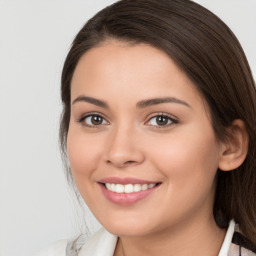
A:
x: 96, y: 120
x: 162, y: 120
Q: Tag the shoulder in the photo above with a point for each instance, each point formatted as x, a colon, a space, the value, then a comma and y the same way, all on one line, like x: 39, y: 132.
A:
x: 99, y: 244
x: 56, y: 249
x: 240, y: 245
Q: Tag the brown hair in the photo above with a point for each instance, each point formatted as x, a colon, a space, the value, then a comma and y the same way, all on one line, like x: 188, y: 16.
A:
x: 211, y: 56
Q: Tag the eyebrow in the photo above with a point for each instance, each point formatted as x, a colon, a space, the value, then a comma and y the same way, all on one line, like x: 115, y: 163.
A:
x: 140, y: 104
x: 99, y: 103
x: 155, y: 101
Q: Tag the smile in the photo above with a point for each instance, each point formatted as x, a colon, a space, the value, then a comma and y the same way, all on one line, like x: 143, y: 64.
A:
x: 128, y: 188
x: 127, y: 191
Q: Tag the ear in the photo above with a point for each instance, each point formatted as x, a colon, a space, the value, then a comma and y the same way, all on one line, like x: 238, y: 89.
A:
x: 234, y: 150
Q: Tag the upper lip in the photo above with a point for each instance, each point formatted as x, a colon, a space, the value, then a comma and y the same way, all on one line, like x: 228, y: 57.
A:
x: 127, y: 180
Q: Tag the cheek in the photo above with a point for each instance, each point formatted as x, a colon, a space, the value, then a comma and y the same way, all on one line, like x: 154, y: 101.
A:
x: 188, y: 165
x: 188, y: 157
x: 84, y: 154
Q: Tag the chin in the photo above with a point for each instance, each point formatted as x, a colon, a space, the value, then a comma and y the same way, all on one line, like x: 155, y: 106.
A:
x: 124, y: 227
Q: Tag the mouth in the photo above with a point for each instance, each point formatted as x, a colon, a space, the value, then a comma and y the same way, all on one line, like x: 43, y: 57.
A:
x: 127, y: 191
x: 129, y: 188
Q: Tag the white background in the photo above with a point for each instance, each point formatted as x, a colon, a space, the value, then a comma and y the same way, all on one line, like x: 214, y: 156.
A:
x: 36, y: 206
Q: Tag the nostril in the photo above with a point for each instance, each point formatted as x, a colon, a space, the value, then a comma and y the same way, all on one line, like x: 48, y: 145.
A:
x: 120, y: 164
x: 129, y: 162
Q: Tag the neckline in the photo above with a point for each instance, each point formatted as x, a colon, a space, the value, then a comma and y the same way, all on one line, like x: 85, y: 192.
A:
x: 228, y: 239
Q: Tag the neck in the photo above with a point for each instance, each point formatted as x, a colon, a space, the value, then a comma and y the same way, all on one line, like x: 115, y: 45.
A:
x: 198, y: 238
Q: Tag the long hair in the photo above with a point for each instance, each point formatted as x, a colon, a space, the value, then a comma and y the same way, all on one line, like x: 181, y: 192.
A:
x: 211, y: 56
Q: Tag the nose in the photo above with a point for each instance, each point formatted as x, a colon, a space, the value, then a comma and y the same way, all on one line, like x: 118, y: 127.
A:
x: 123, y: 149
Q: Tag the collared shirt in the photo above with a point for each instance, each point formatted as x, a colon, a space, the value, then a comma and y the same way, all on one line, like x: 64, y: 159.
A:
x: 102, y: 243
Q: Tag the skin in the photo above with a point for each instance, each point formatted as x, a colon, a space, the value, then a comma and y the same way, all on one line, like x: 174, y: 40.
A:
x: 176, y: 218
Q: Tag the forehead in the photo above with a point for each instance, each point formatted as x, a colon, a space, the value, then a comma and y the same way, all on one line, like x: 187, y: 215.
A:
x: 121, y: 70
x: 123, y: 58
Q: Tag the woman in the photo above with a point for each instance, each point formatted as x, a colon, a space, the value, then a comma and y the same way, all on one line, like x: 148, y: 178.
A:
x: 159, y: 126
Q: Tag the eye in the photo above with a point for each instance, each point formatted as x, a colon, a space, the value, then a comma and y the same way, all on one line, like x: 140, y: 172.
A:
x: 162, y: 121
x: 93, y: 120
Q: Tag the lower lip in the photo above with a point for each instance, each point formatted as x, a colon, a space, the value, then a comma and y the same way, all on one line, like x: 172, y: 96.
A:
x: 126, y: 198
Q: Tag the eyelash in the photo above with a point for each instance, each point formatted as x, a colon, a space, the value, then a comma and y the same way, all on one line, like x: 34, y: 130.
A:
x: 164, y: 115
x: 81, y: 120
x: 172, y: 120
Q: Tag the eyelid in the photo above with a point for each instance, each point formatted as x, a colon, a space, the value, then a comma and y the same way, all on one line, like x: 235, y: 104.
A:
x: 174, y: 120
x: 84, y: 116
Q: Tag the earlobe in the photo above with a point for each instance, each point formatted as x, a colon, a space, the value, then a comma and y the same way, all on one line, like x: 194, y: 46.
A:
x: 234, y: 150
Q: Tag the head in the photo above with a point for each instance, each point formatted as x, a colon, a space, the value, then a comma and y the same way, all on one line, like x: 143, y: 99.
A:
x: 203, y: 50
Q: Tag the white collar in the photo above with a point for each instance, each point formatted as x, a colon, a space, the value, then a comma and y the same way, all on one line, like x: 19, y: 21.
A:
x: 102, y: 243
x: 228, y: 239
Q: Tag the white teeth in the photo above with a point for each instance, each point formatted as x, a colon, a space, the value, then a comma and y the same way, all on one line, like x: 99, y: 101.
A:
x: 129, y: 188
x: 113, y: 187
x: 137, y: 188
x: 144, y: 187
x: 119, y: 188
x: 151, y: 185
x: 108, y: 185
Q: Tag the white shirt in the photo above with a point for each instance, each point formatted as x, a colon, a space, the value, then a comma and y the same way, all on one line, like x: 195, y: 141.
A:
x: 102, y: 243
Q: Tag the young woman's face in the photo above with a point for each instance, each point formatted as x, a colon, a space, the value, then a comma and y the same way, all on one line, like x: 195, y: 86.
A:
x: 141, y: 146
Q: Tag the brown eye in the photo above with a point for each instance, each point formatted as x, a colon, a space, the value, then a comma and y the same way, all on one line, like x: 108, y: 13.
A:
x: 96, y: 120
x: 93, y: 120
x: 161, y: 121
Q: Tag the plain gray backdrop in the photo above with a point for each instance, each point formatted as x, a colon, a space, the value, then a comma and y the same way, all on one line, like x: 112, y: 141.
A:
x: 36, y: 206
